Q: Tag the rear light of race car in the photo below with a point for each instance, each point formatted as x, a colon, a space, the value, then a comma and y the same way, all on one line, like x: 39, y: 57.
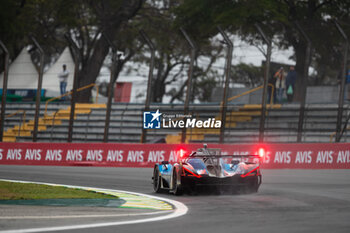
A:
x: 182, y: 153
x: 251, y: 173
x: 261, y: 152
x: 190, y: 173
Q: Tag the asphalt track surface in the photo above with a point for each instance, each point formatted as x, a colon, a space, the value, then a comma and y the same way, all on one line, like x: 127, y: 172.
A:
x: 288, y: 200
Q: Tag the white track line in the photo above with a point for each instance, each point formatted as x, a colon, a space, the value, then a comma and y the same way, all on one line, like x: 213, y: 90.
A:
x: 83, y: 216
x: 180, y: 209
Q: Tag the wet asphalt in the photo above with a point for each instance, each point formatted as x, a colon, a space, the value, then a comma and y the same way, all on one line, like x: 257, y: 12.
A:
x: 288, y: 201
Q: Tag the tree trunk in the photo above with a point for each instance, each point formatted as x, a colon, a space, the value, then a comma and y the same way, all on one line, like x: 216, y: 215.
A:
x: 111, y: 22
x: 90, y: 71
x: 159, y: 91
x: 158, y: 86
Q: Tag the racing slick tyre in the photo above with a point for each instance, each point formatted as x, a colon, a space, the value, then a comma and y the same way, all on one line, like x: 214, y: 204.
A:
x: 251, y: 186
x: 255, y: 185
x: 156, y: 180
x: 177, y: 190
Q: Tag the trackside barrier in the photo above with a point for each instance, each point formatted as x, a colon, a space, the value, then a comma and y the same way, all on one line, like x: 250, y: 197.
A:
x: 278, y: 156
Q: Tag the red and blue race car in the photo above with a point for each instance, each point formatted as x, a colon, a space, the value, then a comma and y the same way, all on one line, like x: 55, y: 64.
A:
x: 208, y: 168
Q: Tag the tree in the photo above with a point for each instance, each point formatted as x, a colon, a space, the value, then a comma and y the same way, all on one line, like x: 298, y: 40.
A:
x: 247, y: 74
x: 99, y: 17
x: 83, y: 21
x: 277, y: 18
x: 172, y: 52
x: 13, y: 29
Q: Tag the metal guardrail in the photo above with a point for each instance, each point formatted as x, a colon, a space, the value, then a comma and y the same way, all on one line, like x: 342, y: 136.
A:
x: 344, y: 130
x: 283, y: 121
x: 253, y: 90
x: 87, y: 126
x: 331, y: 137
x: 22, y: 121
x: 15, y: 113
x: 122, y: 121
x: 235, y: 97
x: 53, y: 124
x: 69, y: 93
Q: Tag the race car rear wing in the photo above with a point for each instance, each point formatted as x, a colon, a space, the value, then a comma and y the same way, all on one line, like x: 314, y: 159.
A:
x: 216, y: 153
x: 235, y: 158
x: 195, y: 155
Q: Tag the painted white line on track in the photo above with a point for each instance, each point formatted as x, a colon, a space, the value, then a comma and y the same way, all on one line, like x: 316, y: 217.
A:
x: 179, y: 210
x: 83, y: 216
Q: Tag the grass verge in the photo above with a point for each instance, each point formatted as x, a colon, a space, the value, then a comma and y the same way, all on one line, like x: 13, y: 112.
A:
x: 26, y: 191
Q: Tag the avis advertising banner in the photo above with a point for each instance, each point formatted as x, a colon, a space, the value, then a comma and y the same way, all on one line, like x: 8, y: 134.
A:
x: 277, y: 156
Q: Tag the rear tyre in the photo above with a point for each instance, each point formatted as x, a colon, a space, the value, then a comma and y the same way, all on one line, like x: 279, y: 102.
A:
x: 254, y: 187
x: 156, y: 180
x: 177, y: 190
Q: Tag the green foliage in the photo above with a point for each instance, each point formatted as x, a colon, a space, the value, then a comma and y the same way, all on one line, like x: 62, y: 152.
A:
x: 202, y: 16
x: 278, y: 20
x: 121, y: 20
x: 13, y: 27
x: 25, y: 191
x: 157, y: 19
x: 203, y: 87
x: 247, y: 74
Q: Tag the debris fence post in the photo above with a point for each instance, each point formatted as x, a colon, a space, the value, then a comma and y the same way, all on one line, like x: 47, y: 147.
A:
x: 110, y: 87
x: 75, y: 86
x: 38, y: 91
x: 338, y: 131
x: 223, y: 108
x: 149, y: 82
x: 266, y: 77
x: 4, y: 88
x: 189, y: 80
x: 304, y: 78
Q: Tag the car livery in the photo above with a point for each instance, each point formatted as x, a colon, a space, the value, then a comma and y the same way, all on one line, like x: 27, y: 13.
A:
x: 209, y: 168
